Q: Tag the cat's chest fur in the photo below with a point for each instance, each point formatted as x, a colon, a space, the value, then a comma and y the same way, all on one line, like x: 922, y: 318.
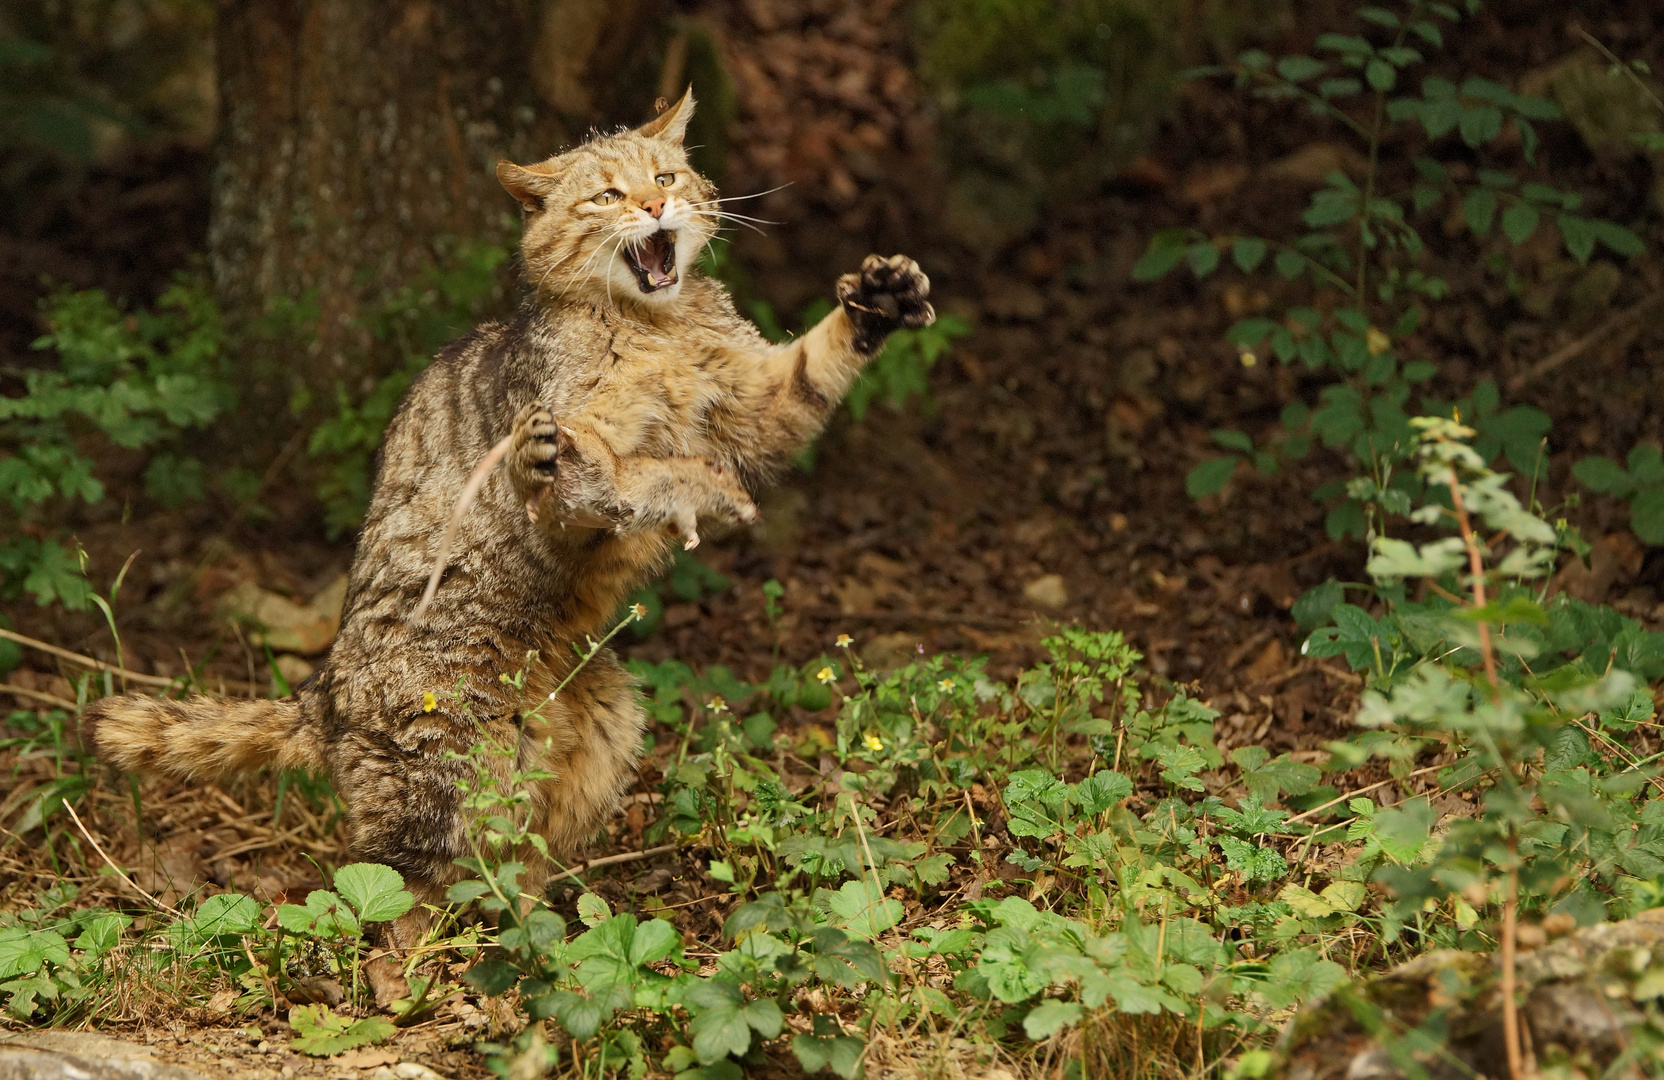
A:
x: 647, y: 389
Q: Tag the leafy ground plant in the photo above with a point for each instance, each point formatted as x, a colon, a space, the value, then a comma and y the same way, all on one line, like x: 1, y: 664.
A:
x: 1365, y: 264
x: 137, y: 381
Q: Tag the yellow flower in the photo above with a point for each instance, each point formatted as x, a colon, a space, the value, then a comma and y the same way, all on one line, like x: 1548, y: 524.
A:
x: 718, y: 705
x: 1377, y: 342
x: 945, y: 685
x: 874, y: 742
x: 1249, y: 359
x: 429, y: 702
x: 843, y: 641
x: 825, y: 675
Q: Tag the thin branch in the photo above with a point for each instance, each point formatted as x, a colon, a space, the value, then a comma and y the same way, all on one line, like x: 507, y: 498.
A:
x: 614, y: 860
x: 175, y: 912
x: 89, y: 662
x: 463, y: 501
x: 38, y: 695
x: 1565, y: 355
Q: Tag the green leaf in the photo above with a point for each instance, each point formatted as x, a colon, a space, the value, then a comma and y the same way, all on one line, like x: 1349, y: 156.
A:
x: 1210, y: 477
x: 226, y: 913
x: 593, y: 910
x: 1290, y: 264
x: 1166, y: 251
x: 1248, y: 253
x: 1380, y: 75
x: 840, y: 1053
x: 1299, y: 976
x: 1300, y: 68
x: 1312, y: 609
x: 1479, y: 209
x: 1604, y: 475
x: 720, y: 1032
x: 376, y: 892
x: 1618, y: 238
x: 1646, y: 515
x: 1519, y: 221
x: 320, y: 1032
x: 1049, y: 1017
x: 1578, y: 233
x: 1403, y: 831
x: 56, y: 576
x: 24, y: 951
x: 491, y: 977
x: 1203, y: 258
x: 654, y: 940
x: 863, y: 911
x: 1232, y: 439
x: 464, y: 892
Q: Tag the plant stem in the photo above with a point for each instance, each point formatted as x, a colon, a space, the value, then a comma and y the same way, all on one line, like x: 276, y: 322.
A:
x: 1476, y: 565
x: 1510, y: 930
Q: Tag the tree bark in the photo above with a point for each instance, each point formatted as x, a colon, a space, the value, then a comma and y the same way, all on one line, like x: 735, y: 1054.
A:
x: 356, y: 137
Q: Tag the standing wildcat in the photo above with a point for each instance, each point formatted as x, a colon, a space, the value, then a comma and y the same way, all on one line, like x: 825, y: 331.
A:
x: 638, y: 401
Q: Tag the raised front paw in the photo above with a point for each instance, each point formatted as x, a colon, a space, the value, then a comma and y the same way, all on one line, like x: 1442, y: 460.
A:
x: 533, y: 457
x: 888, y: 294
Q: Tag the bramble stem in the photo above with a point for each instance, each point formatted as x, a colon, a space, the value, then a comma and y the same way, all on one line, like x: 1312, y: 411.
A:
x: 1476, y: 565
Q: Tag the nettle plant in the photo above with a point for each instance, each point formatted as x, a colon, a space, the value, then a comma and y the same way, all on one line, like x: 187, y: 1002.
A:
x: 1530, y: 703
x: 1364, y: 260
x: 138, y: 381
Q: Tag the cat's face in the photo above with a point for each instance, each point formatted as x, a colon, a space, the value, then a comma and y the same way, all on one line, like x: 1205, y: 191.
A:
x: 621, y: 217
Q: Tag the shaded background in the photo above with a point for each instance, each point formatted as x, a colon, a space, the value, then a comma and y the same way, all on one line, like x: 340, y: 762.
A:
x: 325, y: 170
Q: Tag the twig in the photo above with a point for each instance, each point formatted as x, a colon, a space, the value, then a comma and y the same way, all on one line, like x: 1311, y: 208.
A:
x: 1510, y: 931
x: 1367, y: 787
x: 1561, y: 357
x: 175, y: 912
x: 38, y: 695
x: 463, y: 501
x: 87, y: 661
x: 1476, y: 564
x: 614, y: 860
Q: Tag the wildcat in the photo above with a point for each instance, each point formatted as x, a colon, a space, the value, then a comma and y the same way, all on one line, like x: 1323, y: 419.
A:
x: 638, y: 402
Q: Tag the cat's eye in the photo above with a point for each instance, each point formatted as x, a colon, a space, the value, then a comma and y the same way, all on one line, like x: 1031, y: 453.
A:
x: 608, y: 197
x: 665, y: 179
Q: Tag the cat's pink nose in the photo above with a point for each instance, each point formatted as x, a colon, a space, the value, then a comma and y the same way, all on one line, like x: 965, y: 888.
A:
x: 654, y: 206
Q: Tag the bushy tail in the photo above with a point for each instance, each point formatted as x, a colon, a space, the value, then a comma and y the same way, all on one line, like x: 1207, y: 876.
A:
x: 202, y: 738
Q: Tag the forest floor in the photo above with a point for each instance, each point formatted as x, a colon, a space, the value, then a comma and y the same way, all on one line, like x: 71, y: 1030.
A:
x: 1043, y: 483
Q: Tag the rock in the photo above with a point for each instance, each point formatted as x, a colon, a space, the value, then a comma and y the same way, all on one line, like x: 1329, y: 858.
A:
x: 1607, y: 113
x: 886, y: 652
x: 1047, y: 591
x: 1583, y: 998
x: 75, y: 1055
x: 1312, y: 163
x: 282, y: 624
x: 294, y: 669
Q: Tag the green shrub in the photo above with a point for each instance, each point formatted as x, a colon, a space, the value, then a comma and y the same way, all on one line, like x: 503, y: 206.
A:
x: 1364, y: 245
x: 137, y: 381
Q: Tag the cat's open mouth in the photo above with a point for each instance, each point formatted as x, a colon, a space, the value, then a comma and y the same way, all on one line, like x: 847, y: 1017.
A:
x: 653, y: 259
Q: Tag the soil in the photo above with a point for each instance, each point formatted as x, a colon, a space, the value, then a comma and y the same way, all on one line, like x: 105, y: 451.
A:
x: 1043, y: 482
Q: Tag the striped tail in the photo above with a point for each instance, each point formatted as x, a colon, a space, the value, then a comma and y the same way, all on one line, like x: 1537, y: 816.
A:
x: 202, y: 738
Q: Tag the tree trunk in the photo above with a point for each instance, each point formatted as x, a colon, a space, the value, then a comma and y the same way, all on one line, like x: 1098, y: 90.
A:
x: 356, y: 138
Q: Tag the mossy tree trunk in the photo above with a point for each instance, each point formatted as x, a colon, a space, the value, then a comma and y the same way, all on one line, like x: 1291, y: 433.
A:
x: 357, y: 141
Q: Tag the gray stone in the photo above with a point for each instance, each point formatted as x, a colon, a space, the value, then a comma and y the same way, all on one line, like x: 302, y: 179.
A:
x: 74, y: 1055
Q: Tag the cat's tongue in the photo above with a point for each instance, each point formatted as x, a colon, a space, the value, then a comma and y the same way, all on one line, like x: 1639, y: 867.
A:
x: 655, y: 260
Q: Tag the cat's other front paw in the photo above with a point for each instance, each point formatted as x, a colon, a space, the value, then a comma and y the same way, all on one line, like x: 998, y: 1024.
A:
x: 886, y: 295
x: 533, y: 456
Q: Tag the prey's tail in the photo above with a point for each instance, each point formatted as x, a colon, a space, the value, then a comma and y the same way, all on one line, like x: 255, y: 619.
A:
x: 203, y: 738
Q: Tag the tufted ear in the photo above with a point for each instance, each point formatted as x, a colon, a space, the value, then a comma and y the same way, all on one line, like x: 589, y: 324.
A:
x: 529, y: 186
x: 671, y: 124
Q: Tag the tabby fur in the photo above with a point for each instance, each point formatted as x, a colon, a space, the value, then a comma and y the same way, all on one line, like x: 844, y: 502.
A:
x: 639, y: 402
